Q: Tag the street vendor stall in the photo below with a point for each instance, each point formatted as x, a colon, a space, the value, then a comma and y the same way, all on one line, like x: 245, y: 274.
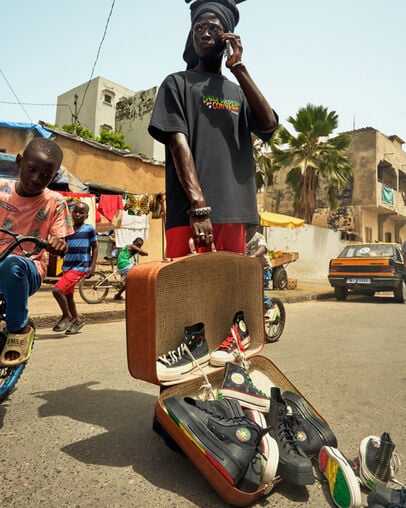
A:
x: 279, y: 260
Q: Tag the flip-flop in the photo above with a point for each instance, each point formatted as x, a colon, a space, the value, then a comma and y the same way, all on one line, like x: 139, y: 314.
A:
x: 61, y: 325
x: 20, y: 343
x: 74, y: 328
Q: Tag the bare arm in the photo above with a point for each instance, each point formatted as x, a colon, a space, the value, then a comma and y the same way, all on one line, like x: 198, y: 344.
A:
x: 261, y: 109
x: 202, y: 229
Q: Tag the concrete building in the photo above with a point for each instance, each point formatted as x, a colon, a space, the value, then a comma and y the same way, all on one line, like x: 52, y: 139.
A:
x: 373, y: 204
x: 98, y: 109
x: 132, y: 120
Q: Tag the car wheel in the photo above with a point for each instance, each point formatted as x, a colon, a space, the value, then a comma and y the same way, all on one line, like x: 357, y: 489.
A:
x: 341, y: 293
x: 400, y: 292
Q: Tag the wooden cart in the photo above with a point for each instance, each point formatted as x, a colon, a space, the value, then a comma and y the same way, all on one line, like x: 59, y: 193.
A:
x: 279, y: 274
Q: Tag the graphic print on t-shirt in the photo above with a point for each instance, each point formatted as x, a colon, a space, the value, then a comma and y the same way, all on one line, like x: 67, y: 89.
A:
x: 212, y: 102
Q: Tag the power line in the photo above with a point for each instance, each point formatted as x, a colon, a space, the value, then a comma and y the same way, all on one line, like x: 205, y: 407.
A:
x: 15, y: 95
x: 97, y: 57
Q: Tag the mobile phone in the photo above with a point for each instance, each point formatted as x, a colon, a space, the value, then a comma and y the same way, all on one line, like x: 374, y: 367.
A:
x: 229, y: 50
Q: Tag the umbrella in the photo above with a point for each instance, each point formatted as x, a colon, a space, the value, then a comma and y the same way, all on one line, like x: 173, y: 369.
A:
x: 280, y: 220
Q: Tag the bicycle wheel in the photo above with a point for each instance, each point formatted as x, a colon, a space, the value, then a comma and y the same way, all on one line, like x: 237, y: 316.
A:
x: 275, y: 319
x: 9, y: 375
x: 95, y: 289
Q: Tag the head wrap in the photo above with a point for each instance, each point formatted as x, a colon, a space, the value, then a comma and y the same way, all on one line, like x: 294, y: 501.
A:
x: 225, y: 10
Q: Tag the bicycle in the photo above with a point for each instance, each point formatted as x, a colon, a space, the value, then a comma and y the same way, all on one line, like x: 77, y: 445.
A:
x: 10, y: 375
x: 275, y: 319
x: 95, y: 289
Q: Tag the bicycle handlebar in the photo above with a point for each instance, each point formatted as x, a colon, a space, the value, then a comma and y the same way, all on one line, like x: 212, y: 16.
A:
x: 18, y: 240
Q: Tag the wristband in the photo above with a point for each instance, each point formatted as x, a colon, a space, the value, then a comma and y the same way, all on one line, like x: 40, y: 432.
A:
x: 199, y: 212
x: 236, y: 63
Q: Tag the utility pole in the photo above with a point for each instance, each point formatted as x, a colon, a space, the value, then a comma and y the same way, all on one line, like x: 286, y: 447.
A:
x: 75, y: 116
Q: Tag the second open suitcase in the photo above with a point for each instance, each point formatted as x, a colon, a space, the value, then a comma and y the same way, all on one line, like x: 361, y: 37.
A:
x: 164, y: 298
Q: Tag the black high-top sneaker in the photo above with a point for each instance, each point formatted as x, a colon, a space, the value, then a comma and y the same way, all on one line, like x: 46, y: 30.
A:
x: 234, y: 344
x: 191, y: 353
x: 375, y: 460
x: 294, y: 465
x: 220, y: 430
x: 309, y: 430
x: 387, y: 497
x: 237, y: 384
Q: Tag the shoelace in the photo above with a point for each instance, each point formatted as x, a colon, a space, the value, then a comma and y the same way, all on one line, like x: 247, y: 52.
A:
x: 284, y: 429
x: 173, y: 356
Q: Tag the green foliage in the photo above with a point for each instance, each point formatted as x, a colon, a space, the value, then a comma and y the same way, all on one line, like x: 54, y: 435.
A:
x: 80, y: 131
x: 264, y: 163
x: 312, y: 156
x: 113, y: 139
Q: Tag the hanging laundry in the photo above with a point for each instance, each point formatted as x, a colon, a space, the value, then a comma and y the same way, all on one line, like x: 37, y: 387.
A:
x: 109, y: 204
x: 137, y: 204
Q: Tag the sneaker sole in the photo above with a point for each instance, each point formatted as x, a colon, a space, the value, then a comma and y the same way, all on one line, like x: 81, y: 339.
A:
x: 367, y: 478
x: 220, y: 362
x: 269, y: 449
x: 325, y: 433
x: 175, y: 373
x: 344, y: 486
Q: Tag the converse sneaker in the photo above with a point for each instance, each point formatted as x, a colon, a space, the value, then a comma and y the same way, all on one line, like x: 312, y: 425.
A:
x: 294, y: 465
x: 237, y: 384
x: 220, y: 430
x: 382, y: 497
x: 268, y: 450
x: 343, y: 484
x: 192, y: 353
x: 309, y: 430
x: 234, y: 345
x: 376, y: 460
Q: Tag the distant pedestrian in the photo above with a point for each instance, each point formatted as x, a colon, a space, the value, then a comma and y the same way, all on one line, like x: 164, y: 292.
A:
x: 128, y: 258
x: 79, y: 263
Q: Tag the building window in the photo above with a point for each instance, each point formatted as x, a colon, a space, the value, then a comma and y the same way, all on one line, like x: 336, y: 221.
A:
x: 108, y: 98
x: 388, y: 237
x: 106, y: 127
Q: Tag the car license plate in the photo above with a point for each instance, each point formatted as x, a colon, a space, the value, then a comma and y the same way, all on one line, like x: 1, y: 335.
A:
x: 359, y: 280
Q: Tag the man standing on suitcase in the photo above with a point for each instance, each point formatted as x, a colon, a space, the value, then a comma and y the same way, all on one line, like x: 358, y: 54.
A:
x: 205, y: 121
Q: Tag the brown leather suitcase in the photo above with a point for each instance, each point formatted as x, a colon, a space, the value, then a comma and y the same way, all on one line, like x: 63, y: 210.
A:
x: 163, y: 298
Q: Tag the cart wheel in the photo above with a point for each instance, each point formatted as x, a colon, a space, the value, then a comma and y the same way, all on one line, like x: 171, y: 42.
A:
x: 280, y: 278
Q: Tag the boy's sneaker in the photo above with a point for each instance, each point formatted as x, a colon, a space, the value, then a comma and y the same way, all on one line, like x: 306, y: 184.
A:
x: 234, y: 345
x: 268, y: 453
x: 237, y: 384
x: 309, y: 430
x: 343, y: 484
x: 220, y: 431
x: 192, y: 353
x: 294, y: 465
x: 386, y: 497
x: 377, y: 461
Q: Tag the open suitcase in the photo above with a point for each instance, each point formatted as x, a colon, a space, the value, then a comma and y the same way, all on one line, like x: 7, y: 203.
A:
x: 163, y: 298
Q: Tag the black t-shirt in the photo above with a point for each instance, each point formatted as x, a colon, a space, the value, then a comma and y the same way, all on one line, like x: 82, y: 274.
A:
x: 213, y: 113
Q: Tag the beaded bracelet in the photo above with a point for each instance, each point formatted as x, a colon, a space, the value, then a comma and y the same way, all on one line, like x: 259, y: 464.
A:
x: 236, y: 63
x: 199, y: 212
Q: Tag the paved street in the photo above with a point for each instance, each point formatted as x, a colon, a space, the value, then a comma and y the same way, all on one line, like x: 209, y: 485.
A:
x: 77, y: 431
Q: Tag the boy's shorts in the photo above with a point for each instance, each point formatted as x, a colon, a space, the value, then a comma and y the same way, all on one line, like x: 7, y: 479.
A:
x: 66, y: 284
x: 124, y: 271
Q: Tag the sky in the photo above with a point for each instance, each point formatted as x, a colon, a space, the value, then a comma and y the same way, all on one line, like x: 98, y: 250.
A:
x: 347, y: 56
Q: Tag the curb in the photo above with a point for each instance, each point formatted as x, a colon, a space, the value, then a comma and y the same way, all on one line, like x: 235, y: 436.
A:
x: 103, y: 316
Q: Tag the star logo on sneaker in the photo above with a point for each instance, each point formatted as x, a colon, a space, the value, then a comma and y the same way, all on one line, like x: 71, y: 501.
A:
x: 243, y: 434
x: 237, y: 378
x: 242, y: 326
x: 301, y: 436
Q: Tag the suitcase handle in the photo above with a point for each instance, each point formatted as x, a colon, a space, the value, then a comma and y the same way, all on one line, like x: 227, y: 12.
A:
x: 192, y: 246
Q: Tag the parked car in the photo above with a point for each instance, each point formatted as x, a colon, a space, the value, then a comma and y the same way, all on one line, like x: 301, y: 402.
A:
x: 369, y: 267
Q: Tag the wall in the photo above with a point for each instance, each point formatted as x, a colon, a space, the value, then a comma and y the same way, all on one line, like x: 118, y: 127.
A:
x: 132, y: 119
x: 316, y: 246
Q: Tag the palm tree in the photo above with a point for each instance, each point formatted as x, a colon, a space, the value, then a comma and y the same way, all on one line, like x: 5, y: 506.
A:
x: 264, y: 164
x: 313, y: 156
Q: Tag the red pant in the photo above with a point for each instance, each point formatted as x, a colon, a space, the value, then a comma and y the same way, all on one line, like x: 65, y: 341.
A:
x: 66, y: 284
x: 229, y: 237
